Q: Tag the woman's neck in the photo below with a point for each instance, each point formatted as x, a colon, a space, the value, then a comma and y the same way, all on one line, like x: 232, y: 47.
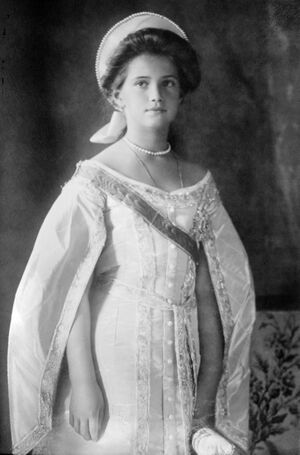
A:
x: 154, y: 141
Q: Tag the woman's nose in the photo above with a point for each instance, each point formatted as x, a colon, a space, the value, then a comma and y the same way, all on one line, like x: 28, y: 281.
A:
x: 155, y: 93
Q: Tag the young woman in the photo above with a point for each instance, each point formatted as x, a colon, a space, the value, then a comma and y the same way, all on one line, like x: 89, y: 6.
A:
x: 139, y: 278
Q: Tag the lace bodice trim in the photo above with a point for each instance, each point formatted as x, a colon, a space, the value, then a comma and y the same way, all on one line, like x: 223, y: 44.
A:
x: 181, y: 197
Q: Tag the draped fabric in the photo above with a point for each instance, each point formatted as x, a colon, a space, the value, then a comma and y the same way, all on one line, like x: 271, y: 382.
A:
x: 143, y: 320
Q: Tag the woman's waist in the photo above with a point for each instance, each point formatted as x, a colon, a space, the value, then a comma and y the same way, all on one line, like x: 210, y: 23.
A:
x: 132, y: 290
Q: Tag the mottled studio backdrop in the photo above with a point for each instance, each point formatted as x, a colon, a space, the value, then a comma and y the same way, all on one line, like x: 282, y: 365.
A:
x: 244, y: 123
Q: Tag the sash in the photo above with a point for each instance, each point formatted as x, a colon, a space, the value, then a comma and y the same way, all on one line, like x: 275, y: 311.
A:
x: 132, y: 199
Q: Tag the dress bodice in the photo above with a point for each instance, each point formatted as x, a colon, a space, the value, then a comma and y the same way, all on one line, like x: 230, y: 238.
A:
x: 139, y: 256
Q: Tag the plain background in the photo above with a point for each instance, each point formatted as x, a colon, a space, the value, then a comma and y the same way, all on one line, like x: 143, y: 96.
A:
x: 243, y: 123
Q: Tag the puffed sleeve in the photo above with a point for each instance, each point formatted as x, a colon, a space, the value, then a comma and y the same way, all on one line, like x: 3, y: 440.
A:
x: 62, y: 261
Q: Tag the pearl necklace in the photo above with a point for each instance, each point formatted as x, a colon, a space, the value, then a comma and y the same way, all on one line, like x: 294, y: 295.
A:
x: 148, y: 152
x: 143, y: 164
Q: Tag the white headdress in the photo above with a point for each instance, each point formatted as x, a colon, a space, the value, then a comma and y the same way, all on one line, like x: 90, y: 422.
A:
x: 113, y: 130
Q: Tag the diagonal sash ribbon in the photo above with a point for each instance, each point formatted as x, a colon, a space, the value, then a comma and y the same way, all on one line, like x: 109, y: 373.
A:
x: 132, y: 199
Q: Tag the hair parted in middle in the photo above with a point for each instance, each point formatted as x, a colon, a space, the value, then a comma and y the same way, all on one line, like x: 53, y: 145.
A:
x: 153, y: 41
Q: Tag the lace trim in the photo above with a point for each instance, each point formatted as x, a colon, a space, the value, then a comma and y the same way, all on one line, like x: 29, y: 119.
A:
x: 188, y: 286
x: 188, y: 294
x: 211, y: 198
x: 225, y: 313
x: 144, y: 337
x: 146, y: 245
x: 44, y: 447
x: 202, y: 230
x: 31, y: 440
x: 192, y: 352
x: 180, y: 200
x: 201, y: 223
x: 59, y: 340
x: 143, y: 380
x: 169, y: 390
x: 185, y: 377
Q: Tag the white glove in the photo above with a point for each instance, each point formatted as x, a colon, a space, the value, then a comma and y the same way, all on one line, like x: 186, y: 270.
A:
x: 207, y: 442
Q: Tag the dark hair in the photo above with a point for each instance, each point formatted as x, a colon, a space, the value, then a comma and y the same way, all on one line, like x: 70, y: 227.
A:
x: 154, y: 42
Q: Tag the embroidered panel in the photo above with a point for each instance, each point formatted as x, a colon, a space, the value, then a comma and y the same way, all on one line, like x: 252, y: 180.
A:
x: 170, y: 419
x: 147, y: 281
x: 143, y: 379
x: 203, y: 232
x: 185, y: 378
x: 179, y: 200
x: 225, y: 313
x: 188, y: 287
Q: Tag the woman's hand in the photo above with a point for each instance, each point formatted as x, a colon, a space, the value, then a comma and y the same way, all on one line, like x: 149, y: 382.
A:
x: 206, y: 441
x: 87, y: 410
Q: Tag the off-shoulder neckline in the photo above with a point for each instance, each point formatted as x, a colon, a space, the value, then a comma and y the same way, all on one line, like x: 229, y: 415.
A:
x: 184, y: 190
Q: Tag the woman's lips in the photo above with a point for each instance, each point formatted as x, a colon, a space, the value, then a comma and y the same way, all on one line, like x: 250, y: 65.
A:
x: 156, y: 110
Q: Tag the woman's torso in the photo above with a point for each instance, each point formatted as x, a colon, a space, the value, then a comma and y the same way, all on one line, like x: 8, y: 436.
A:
x: 144, y: 327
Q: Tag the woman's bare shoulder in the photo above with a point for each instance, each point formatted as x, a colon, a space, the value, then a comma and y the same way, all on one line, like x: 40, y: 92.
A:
x: 106, y: 155
x: 112, y: 156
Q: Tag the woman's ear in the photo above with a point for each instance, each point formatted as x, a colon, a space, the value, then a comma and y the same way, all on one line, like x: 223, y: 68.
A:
x: 117, y: 100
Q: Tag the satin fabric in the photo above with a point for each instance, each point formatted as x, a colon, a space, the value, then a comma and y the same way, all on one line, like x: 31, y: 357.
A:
x: 144, y: 329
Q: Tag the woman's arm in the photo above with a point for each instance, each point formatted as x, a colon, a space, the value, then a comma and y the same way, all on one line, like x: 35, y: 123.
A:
x: 87, y: 403
x: 211, y: 344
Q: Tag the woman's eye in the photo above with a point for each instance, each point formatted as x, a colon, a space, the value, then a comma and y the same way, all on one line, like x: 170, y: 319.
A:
x: 141, y: 84
x: 169, y: 83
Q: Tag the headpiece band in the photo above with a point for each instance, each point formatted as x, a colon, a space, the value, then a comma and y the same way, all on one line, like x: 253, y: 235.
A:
x: 120, y: 30
x: 131, y: 24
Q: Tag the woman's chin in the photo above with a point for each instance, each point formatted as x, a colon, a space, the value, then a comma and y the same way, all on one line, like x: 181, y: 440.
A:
x: 157, y: 123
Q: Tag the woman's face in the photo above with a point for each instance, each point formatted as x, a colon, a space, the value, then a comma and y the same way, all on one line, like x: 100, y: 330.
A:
x: 150, y: 94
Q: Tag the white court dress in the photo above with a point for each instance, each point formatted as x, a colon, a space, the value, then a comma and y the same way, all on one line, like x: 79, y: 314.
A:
x: 143, y: 315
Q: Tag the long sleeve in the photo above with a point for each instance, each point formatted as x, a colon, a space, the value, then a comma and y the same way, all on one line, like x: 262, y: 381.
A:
x: 60, y: 266
x: 232, y: 281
